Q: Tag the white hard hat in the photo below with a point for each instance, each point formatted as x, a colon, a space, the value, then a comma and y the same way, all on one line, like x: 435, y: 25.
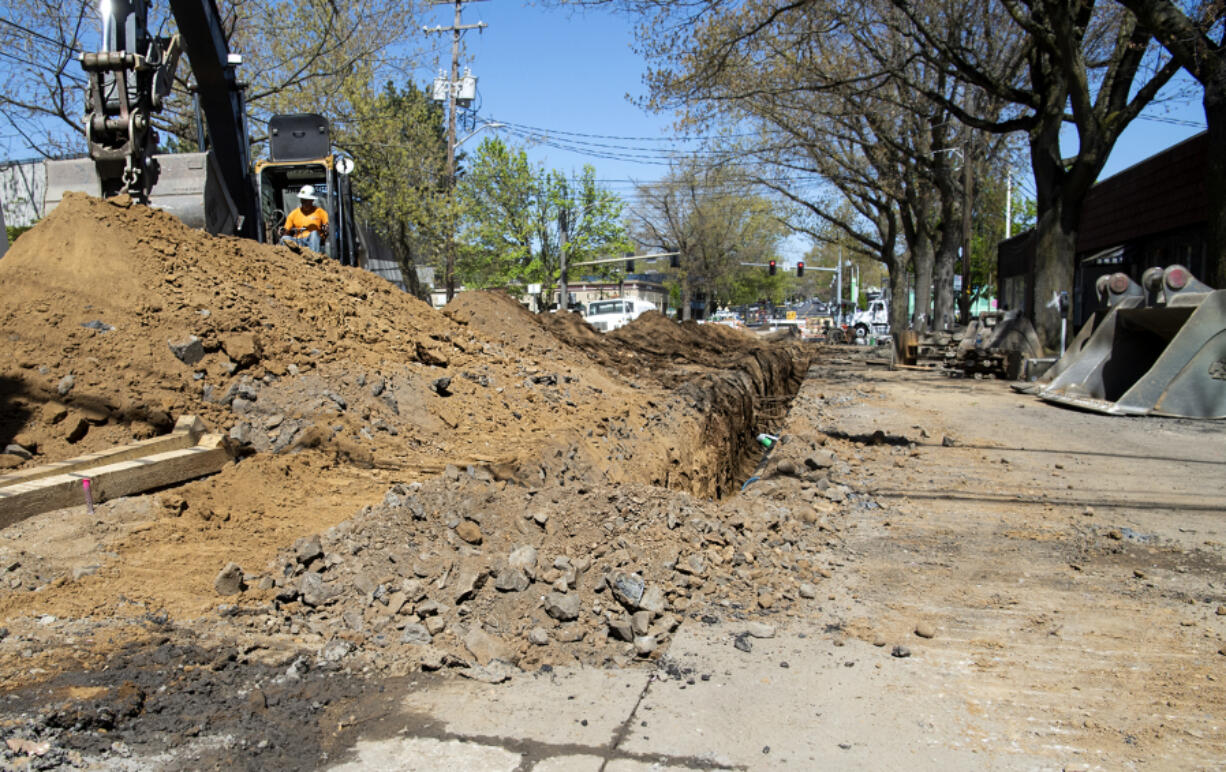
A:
x: 308, y: 191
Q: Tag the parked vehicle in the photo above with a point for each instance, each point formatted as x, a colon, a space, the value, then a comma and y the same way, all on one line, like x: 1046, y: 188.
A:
x: 608, y: 315
x: 873, y: 320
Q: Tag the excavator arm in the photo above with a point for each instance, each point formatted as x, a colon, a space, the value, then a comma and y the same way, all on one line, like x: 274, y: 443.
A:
x: 128, y: 81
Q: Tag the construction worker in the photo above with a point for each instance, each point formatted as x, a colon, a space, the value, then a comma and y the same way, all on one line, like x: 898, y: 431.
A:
x: 307, y: 225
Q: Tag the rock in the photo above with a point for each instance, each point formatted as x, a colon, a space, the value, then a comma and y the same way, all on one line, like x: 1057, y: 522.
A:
x: 1088, y: 511
x: 538, y: 636
x: 925, y: 630
x: 807, y: 590
x: 313, y: 590
x: 80, y: 572
x: 335, y: 650
x: 562, y: 607
x: 78, y: 428
x: 524, y: 559
x: 469, y: 532
x: 415, y: 633
x: 948, y: 441
x: 786, y: 467
x: 65, y: 385
x: 900, y: 652
x: 53, y: 413
x: 229, y: 581
x: 640, y: 622
x: 486, y: 647
x: 308, y: 548
x: 644, y: 645
x: 353, y: 620
x: 9, y: 461
x: 13, y: 449
x: 468, y: 582
x: 242, y: 347
x: 621, y: 628
x: 1221, y: 611
x: 435, y: 624
x: 760, y: 630
x: 189, y: 350
x: 692, y: 564
x: 627, y: 588
x: 822, y: 459
x: 653, y: 600
x: 511, y: 580
x: 441, y: 385
x: 494, y: 673
x: 430, y: 608
x: 365, y: 584
x: 742, y: 643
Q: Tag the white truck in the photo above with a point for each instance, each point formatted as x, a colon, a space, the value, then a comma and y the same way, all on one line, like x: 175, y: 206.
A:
x: 874, y: 320
x: 608, y: 315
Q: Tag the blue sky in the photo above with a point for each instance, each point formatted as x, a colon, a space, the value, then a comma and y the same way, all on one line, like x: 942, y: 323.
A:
x: 570, y: 73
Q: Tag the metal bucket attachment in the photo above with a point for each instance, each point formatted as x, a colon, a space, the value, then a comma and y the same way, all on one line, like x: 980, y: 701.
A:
x: 1167, y: 359
x: 1115, y: 291
x: 188, y: 185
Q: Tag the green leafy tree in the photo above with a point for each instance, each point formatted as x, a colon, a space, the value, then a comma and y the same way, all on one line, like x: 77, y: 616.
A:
x: 397, y: 140
x: 514, y: 217
x: 713, y: 218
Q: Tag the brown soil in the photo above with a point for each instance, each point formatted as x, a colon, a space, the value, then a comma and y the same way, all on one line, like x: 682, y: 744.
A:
x: 345, y: 399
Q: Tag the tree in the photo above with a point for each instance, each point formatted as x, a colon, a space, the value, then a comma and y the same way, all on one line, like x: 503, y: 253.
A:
x: 513, y: 217
x: 1087, y: 63
x: 714, y: 221
x: 1194, y: 35
x: 397, y: 140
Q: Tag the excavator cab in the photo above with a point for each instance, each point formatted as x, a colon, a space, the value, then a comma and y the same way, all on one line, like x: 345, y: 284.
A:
x: 300, y: 153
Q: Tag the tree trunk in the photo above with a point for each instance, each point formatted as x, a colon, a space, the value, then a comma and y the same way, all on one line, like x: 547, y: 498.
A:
x: 899, y: 294
x: 1215, y: 182
x: 686, y: 293
x: 943, y: 289
x: 921, y: 253
x: 1054, y: 256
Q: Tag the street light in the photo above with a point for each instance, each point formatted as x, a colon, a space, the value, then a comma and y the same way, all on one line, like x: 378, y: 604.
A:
x: 476, y: 131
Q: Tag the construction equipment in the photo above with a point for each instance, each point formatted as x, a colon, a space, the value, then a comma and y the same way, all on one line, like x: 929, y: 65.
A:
x: 1158, y: 348
x: 129, y: 79
x: 300, y: 153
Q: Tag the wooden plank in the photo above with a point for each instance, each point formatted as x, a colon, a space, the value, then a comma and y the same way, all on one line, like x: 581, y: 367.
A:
x: 188, y: 430
x: 109, y: 481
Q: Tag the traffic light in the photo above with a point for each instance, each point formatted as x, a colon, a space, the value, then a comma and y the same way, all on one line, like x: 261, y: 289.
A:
x: 629, y: 261
x: 800, y: 270
x: 772, y: 268
x: 674, y: 261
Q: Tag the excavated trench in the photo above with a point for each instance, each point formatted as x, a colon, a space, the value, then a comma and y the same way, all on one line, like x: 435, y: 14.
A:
x: 752, y: 397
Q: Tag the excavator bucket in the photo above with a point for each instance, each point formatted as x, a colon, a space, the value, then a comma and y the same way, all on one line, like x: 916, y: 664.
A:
x: 188, y: 185
x: 1161, y: 352
x: 1114, y: 291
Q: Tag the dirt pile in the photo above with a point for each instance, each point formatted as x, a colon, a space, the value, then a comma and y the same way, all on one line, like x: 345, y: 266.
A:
x: 465, y: 569
x: 337, y: 387
x: 118, y: 317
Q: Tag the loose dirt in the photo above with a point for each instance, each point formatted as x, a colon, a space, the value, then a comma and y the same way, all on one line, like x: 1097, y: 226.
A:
x: 412, y: 489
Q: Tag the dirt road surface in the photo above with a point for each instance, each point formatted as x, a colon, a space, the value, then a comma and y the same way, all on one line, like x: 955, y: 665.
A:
x: 480, y: 539
x: 1055, y: 577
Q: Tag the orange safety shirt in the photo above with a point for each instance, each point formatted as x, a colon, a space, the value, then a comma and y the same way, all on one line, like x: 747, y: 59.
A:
x: 306, y: 223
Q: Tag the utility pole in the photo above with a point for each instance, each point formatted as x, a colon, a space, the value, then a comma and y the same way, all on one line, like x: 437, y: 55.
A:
x: 456, y: 30
x: 563, y: 240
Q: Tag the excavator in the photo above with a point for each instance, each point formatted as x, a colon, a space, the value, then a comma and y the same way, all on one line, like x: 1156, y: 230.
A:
x: 217, y: 189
